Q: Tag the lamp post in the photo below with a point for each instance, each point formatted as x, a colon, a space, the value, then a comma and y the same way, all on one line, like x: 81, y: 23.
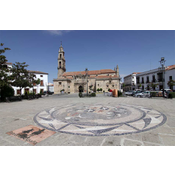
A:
x: 86, y: 70
x: 162, y: 70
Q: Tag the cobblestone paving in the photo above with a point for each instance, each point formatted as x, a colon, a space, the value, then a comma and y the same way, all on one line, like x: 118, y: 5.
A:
x: 99, y: 121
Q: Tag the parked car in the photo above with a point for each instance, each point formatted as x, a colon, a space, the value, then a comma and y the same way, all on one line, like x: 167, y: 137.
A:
x: 129, y: 93
x: 143, y: 94
x: 166, y: 92
x: 136, y: 92
x: 47, y: 92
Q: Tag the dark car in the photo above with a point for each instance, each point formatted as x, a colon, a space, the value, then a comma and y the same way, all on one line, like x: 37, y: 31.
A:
x: 48, y: 92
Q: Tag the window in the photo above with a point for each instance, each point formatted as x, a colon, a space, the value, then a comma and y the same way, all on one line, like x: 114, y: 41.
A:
x: 41, y: 83
x: 41, y: 90
x: 107, y: 86
x: 154, y: 80
x: 147, y: 79
x: 27, y: 90
x: 112, y: 85
x: 109, y: 81
x: 18, y: 91
x: 60, y: 56
x: 59, y: 83
x: 142, y: 80
x: 170, y: 78
x: 68, y: 86
x: 98, y: 84
x: 60, y: 64
x: 41, y: 75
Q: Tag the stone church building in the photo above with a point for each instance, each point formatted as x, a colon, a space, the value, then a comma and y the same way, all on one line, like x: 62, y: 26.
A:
x: 72, y: 81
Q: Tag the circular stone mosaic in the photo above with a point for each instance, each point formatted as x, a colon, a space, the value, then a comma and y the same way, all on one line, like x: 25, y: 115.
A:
x: 100, y: 120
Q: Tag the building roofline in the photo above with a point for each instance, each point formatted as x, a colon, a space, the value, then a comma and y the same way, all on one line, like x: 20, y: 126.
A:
x: 37, y: 72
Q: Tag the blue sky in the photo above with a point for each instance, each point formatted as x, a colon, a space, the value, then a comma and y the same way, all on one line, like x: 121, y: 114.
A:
x: 132, y: 50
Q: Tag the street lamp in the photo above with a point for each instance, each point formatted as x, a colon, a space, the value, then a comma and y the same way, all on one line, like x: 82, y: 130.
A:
x: 162, y: 70
x: 86, y: 70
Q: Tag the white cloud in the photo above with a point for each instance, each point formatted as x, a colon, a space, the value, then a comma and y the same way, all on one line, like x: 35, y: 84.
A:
x: 58, y: 32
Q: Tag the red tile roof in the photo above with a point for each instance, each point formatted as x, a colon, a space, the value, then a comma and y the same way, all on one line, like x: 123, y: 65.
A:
x: 170, y: 67
x: 110, y: 76
x: 8, y: 63
x: 136, y: 72
x: 37, y: 72
x: 91, y: 72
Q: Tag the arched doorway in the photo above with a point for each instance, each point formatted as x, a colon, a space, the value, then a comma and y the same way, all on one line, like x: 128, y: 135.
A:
x: 80, y: 88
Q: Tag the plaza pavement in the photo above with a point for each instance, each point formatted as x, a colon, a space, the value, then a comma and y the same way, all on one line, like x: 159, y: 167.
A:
x: 17, y: 115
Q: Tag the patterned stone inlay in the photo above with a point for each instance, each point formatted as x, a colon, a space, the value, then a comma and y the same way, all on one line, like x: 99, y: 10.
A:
x: 100, y: 120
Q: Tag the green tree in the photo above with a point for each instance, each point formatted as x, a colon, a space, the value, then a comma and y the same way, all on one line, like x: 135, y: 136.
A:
x: 153, y: 85
x: 139, y: 86
x: 20, y: 76
x: 123, y: 86
x: 33, y: 81
x: 4, y: 77
x: 171, y: 83
x: 7, y: 91
x: 90, y: 87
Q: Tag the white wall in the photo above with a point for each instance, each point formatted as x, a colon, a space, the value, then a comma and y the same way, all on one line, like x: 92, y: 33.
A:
x: 169, y: 73
x: 38, y: 87
x: 150, y: 75
x: 154, y: 72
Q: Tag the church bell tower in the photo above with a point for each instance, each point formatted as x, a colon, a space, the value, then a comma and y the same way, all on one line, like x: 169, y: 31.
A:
x: 61, y: 61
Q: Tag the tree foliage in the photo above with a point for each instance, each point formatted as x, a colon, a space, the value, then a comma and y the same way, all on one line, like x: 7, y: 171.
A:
x: 20, y: 76
x: 7, y: 91
x: 171, y: 83
x: 4, y: 78
x: 153, y: 85
x: 32, y: 80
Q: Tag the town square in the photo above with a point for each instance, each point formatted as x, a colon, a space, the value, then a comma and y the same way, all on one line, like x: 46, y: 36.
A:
x: 139, y: 121
x: 101, y: 107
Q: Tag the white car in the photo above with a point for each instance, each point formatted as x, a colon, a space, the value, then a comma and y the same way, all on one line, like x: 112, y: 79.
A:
x: 143, y: 94
x: 166, y: 92
x: 129, y: 93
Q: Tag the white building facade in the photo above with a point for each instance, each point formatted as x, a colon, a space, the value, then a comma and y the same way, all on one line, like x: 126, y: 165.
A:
x: 155, y: 76
x: 130, y: 82
x: 43, y: 86
x: 144, y: 80
x: 169, y: 75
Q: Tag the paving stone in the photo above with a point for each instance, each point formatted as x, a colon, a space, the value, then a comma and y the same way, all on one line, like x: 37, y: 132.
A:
x: 20, y: 114
x: 168, y: 140
x: 111, y: 141
x: 151, y: 137
x: 132, y: 143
